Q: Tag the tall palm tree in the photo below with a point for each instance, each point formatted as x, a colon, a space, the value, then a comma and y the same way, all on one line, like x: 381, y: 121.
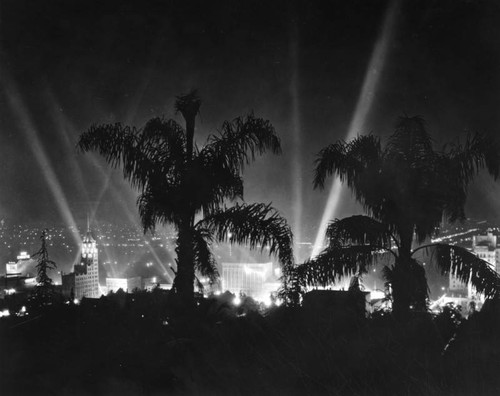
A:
x: 406, y: 188
x: 180, y: 182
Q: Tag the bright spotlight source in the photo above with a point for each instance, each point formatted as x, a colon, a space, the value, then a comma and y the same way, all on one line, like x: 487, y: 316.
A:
x: 237, y: 301
x: 76, y: 301
x: 361, y: 112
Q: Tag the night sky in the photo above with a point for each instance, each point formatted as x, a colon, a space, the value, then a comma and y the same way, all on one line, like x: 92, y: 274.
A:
x: 67, y: 64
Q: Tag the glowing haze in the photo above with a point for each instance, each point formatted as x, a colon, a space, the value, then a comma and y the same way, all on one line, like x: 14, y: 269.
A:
x: 38, y: 151
x: 361, y: 113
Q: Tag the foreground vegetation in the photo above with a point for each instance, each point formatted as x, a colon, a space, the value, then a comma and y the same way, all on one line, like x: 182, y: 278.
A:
x: 137, y: 344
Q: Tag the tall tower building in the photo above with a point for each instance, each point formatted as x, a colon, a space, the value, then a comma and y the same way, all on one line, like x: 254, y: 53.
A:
x: 84, y: 280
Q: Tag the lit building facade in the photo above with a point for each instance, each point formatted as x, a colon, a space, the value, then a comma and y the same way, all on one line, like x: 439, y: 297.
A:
x: 84, y: 280
x: 23, y: 265
x: 256, y: 280
x: 18, y: 280
x: 486, y: 248
x: 128, y: 285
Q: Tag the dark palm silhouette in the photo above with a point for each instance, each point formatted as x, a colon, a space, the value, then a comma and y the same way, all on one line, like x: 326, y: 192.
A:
x: 407, y: 188
x: 178, y: 181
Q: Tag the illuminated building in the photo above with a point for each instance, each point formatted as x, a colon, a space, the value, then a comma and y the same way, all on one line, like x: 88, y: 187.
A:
x: 152, y: 283
x: 23, y: 264
x: 486, y: 248
x: 256, y: 280
x: 84, y: 280
x: 23, y: 256
x: 17, y: 280
x: 12, y: 269
x: 126, y: 284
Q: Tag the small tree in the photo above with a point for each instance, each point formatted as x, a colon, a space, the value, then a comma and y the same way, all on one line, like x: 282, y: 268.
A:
x: 44, y: 291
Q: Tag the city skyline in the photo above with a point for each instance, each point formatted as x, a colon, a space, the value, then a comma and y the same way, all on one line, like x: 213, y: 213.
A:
x: 125, y: 252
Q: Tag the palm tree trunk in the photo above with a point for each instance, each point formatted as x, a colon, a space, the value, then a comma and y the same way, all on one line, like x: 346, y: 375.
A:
x: 184, y: 279
x: 189, y: 106
x: 409, y: 284
x: 401, y: 277
x: 401, y: 295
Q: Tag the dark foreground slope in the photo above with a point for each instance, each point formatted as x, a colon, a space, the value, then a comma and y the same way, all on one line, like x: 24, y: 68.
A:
x: 134, y: 344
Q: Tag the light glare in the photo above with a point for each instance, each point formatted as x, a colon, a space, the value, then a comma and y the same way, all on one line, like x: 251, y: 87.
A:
x: 361, y: 113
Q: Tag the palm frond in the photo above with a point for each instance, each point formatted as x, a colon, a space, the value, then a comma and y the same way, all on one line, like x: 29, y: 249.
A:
x: 480, y: 151
x: 209, y: 183
x: 334, y: 263
x: 348, y: 160
x: 205, y: 262
x: 157, y: 151
x: 467, y: 267
x: 410, y: 142
x: 165, y: 140
x: 240, y: 141
x: 160, y: 205
x: 188, y: 104
x: 359, y: 230
x: 256, y: 225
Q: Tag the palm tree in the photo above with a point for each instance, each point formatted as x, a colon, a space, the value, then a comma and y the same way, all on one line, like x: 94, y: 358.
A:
x: 406, y: 188
x: 180, y: 182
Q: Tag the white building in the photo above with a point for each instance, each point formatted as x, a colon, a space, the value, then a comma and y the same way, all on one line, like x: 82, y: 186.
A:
x: 487, y: 249
x: 23, y: 265
x: 84, y: 280
x: 128, y: 285
x: 257, y: 280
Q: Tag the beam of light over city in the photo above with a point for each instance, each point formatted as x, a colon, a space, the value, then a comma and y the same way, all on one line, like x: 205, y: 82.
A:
x: 65, y: 128
x: 296, y: 137
x: 39, y: 153
x: 357, y: 124
x: 138, y: 97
